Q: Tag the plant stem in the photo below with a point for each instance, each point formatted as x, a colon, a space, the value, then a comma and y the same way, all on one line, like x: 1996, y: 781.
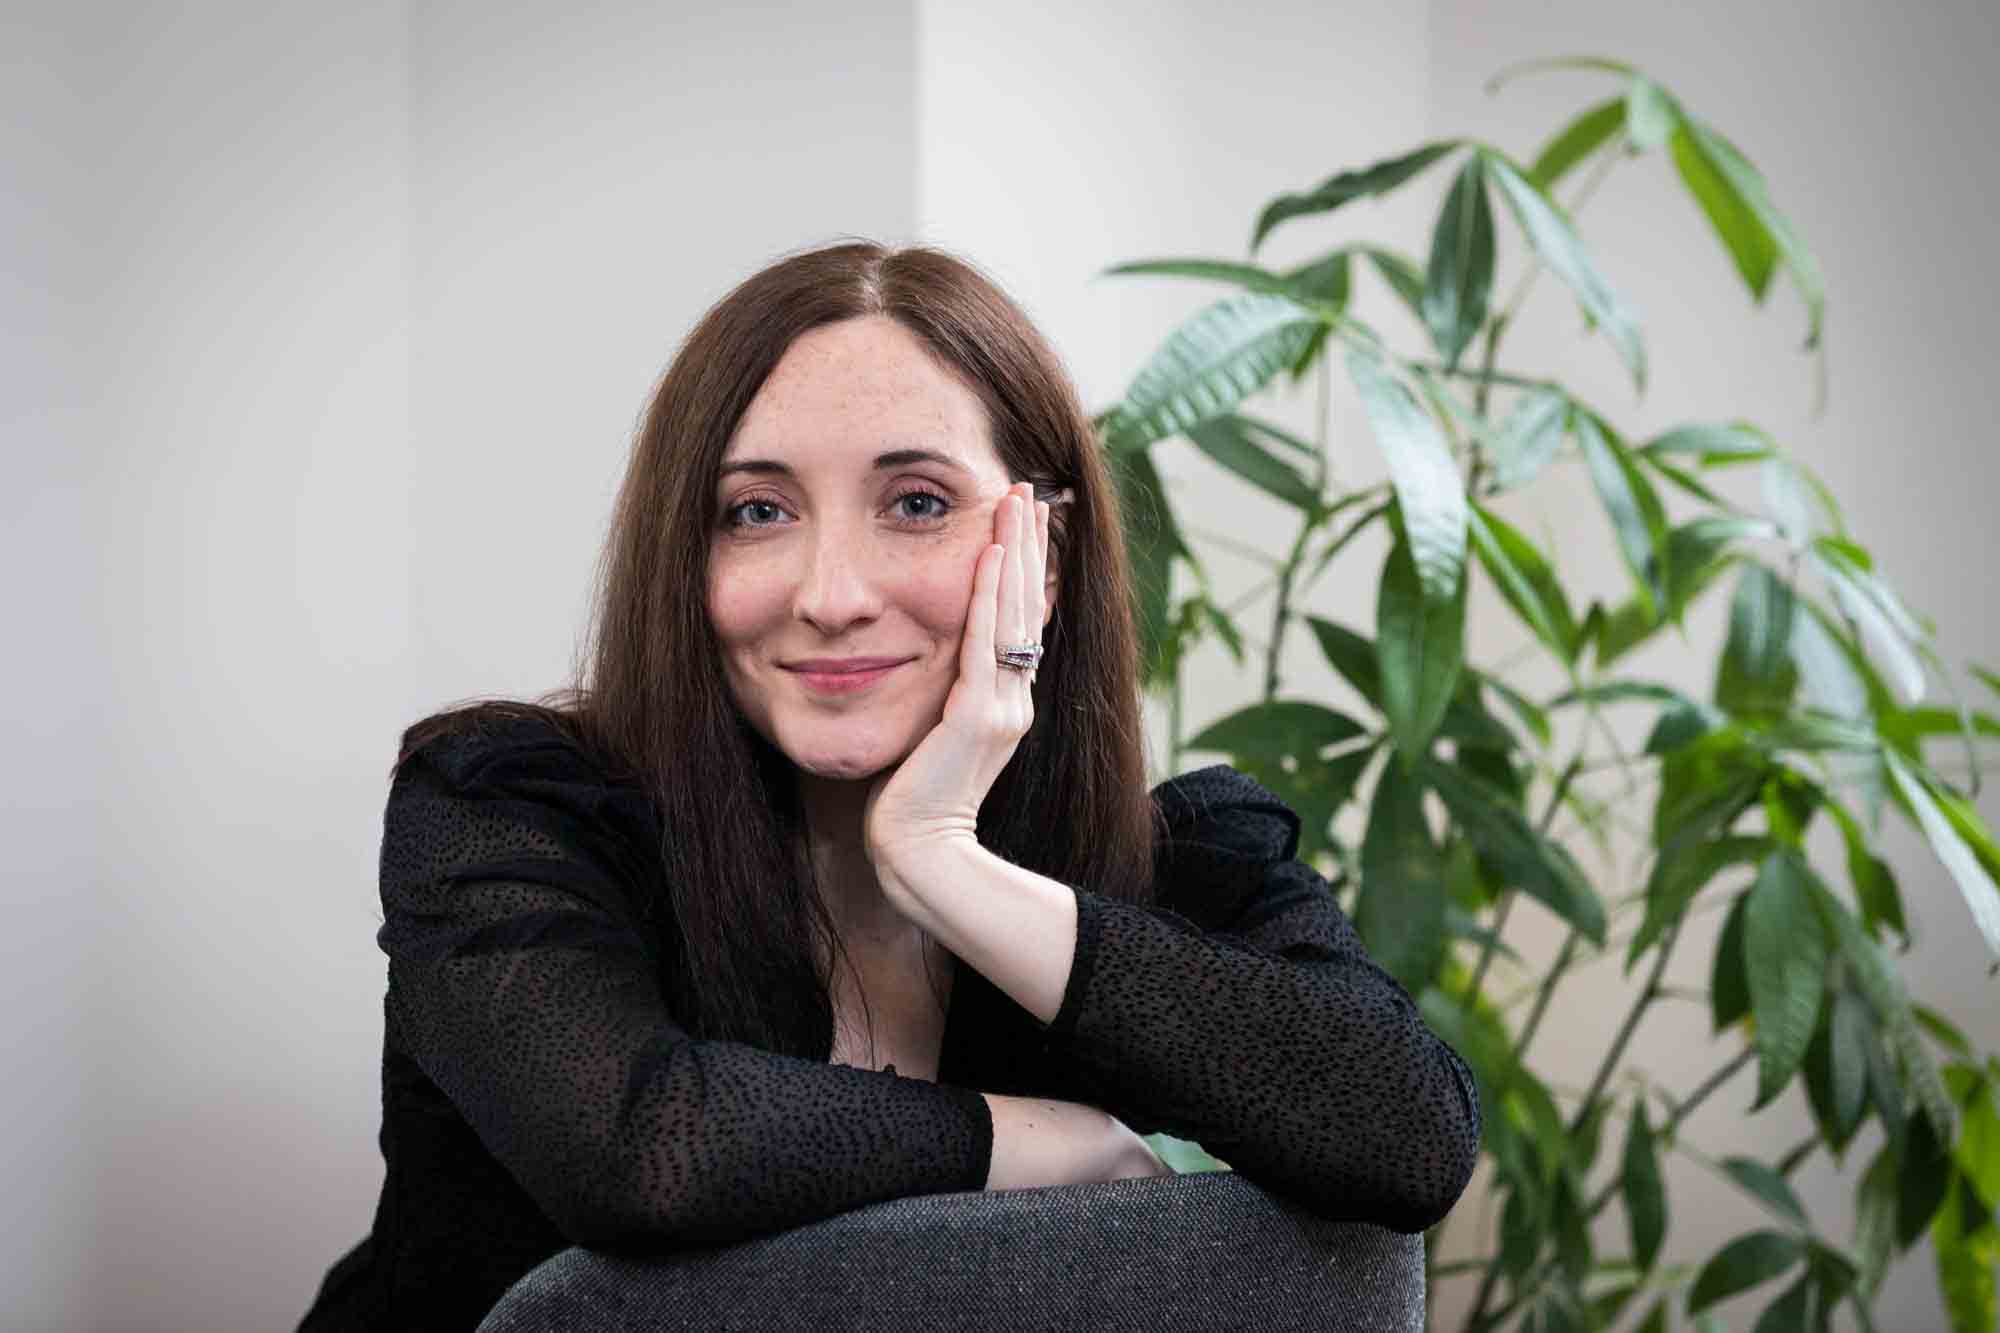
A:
x: 1492, y: 942
x: 1797, y: 1154
x: 1639, y: 1006
x: 1682, y: 1110
x: 1545, y: 992
x: 1256, y: 591
x: 1244, y: 549
x: 1610, y: 1062
x: 1282, y: 612
x: 1494, y: 376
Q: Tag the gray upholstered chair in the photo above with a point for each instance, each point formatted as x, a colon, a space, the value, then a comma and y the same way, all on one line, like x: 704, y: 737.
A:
x: 1207, y: 1251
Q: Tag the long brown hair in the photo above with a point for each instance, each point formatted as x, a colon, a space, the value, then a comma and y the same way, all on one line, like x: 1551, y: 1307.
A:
x: 747, y: 935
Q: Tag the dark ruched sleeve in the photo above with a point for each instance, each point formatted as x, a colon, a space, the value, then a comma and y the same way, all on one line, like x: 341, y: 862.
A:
x: 1242, y: 1013
x: 521, y: 983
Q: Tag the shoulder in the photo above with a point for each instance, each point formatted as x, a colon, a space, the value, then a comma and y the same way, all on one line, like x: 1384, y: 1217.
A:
x: 1224, y: 832
x: 462, y: 745
x: 1229, y: 811
x: 519, y: 771
x: 522, y: 753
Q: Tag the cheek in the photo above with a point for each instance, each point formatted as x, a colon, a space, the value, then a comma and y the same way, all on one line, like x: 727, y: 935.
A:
x: 939, y: 591
x: 741, y: 602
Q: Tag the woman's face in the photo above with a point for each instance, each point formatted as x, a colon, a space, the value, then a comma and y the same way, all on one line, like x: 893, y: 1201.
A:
x: 833, y: 540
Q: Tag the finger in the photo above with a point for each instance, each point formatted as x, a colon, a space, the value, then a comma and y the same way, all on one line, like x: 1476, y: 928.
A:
x: 1038, y: 580
x: 977, y: 664
x: 1013, y: 592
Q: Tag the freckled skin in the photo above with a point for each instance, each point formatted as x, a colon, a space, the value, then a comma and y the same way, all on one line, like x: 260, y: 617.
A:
x: 840, y: 561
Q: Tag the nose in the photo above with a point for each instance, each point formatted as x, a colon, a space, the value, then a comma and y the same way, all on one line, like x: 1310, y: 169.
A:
x: 838, y: 586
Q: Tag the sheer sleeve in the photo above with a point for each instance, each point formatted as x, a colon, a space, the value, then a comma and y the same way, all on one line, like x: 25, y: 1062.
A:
x: 521, y: 984
x: 1241, y: 1012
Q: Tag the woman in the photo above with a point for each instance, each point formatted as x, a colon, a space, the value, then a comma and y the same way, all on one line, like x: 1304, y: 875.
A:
x: 819, y: 890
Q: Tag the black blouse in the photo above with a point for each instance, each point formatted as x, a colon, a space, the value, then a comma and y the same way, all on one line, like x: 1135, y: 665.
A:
x: 537, y: 1093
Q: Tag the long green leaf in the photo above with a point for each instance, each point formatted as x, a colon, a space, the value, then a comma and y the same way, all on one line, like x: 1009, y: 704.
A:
x: 1791, y: 1311
x: 1644, y: 1189
x: 1736, y: 225
x: 1577, y: 141
x: 1563, y: 251
x: 1428, y: 488
x: 1152, y: 543
x: 1682, y: 870
x: 1925, y: 1177
x: 1637, y: 517
x: 1966, y: 1239
x: 1526, y: 581
x: 1742, y: 1264
x: 1296, y: 727
x: 1328, y: 280
x: 1890, y: 632
x: 1712, y: 444
x: 1847, y: 1059
x: 1352, y: 655
x: 1460, y: 278
x: 1378, y: 178
x: 1768, y: 1186
x: 1401, y: 910
x: 1251, y: 277
x: 1960, y: 840
x: 1542, y: 65
x: 1837, y: 1084
x: 1404, y: 278
x: 1878, y: 981
x: 1875, y: 1219
x: 1749, y: 186
x: 1420, y: 648
x: 1784, y: 953
x: 1538, y: 866
x: 1528, y: 439
x: 1221, y: 356
x: 1227, y: 440
x: 1728, y: 986
x: 1650, y: 113
x: 1755, y: 673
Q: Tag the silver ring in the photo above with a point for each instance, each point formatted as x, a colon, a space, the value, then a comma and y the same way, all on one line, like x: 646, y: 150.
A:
x: 1019, y: 656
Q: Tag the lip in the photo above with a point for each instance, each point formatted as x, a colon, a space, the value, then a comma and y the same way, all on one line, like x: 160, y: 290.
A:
x: 844, y: 676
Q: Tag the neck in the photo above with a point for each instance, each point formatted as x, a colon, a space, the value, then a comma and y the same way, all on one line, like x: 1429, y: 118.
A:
x: 848, y: 884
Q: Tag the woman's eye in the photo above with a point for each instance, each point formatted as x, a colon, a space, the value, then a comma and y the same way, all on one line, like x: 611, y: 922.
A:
x: 733, y: 516
x: 936, y: 509
x: 914, y: 508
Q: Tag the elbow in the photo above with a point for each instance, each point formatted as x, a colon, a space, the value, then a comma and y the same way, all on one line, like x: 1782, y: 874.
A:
x: 604, y: 1200
x: 1424, y: 1155
x: 1452, y: 1131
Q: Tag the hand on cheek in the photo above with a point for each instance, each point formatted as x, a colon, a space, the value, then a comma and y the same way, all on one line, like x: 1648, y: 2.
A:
x: 933, y: 797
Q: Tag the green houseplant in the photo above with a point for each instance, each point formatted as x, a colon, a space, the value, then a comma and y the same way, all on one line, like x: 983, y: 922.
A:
x: 1817, y: 714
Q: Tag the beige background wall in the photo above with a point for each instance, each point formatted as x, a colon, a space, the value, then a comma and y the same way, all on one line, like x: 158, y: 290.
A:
x: 322, y: 335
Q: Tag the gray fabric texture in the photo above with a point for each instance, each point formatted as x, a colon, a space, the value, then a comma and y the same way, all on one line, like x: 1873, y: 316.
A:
x: 1207, y: 1251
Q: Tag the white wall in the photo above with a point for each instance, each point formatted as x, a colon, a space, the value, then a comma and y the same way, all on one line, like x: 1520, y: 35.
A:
x: 323, y: 334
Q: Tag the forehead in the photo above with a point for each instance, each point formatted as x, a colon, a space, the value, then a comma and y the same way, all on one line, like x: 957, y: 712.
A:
x: 845, y: 392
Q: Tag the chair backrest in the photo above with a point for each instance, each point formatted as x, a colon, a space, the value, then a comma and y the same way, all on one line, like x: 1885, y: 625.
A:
x: 1162, y: 1254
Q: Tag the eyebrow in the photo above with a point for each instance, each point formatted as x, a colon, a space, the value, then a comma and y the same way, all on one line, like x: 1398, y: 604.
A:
x: 893, y: 458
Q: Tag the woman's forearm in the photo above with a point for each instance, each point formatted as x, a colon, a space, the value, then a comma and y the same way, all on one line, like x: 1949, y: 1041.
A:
x: 1040, y: 1141
x: 1017, y: 928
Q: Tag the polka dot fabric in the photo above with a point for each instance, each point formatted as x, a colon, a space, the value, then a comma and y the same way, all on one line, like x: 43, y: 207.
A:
x: 537, y: 1092
x: 1241, y: 1012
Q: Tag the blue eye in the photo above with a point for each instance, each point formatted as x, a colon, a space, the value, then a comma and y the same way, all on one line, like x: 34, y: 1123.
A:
x: 732, y: 518
x: 920, y: 493
x: 940, y: 507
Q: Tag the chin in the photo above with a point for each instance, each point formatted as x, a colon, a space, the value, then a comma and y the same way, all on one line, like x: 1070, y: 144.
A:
x: 846, y: 763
